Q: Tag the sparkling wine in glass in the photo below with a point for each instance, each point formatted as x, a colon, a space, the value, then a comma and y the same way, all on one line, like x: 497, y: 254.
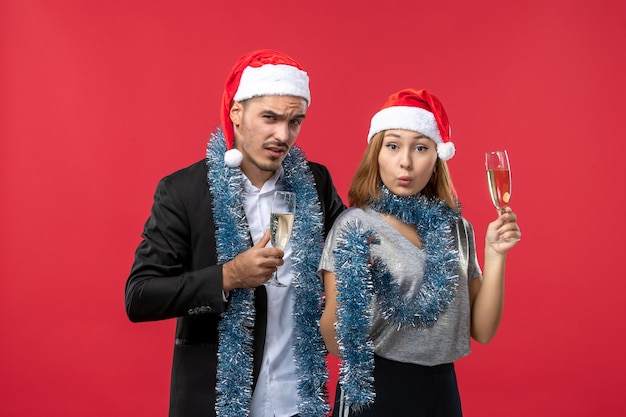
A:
x: 281, y: 224
x: 499, y: 177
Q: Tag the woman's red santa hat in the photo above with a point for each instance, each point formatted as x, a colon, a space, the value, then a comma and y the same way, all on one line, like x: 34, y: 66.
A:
x: 418, y: 111
x: 260, y: 73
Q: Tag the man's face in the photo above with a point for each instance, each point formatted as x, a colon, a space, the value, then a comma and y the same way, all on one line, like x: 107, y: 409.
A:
x: 265, y: 129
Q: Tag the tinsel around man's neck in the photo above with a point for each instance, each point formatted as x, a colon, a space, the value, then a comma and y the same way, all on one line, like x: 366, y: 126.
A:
x: 235, y: 350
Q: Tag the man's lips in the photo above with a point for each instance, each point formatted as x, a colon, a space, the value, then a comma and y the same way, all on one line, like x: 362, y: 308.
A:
x: 276, y: 150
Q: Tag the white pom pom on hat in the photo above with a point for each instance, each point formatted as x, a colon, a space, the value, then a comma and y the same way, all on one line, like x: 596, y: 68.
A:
x: 259, y: 73
x: 233, y: 158
x: 418, y: 111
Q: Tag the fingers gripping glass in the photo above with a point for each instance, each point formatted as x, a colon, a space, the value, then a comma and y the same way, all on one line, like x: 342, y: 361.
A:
x: 281, y: 225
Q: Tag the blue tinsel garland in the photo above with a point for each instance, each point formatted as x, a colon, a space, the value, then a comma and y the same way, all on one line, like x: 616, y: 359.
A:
x: 359, y: 276
x: 234, y: 370
x: 354, y: 295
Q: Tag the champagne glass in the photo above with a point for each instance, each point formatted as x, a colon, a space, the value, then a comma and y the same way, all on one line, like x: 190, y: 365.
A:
x: 281, y: 224
x: 499, y: 177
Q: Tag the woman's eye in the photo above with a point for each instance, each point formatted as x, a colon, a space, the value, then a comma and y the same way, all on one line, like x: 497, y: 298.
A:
x: 392, y: 146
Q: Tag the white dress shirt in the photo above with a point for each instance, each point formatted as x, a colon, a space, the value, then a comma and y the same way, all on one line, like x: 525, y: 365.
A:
x: 275, y: 394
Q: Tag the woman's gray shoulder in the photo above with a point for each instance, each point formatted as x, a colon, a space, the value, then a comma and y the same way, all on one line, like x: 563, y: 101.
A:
x: 350, y: 214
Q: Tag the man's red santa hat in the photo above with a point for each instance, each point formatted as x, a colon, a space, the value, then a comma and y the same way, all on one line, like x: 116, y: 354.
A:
x: 260, y: 73
x: 418, y: 111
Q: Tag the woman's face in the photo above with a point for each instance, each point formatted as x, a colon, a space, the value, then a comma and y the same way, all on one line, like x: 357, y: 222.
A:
x: 406, y: 161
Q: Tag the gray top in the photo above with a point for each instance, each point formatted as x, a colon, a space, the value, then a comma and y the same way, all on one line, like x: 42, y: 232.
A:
x: 448, y: 340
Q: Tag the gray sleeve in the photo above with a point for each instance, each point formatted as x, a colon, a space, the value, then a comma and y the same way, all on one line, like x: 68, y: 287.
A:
x: 327, y: 262
x: 473, y: 268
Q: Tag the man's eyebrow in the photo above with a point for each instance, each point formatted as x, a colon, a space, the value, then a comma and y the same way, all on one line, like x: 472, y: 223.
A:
x: 282, y: 115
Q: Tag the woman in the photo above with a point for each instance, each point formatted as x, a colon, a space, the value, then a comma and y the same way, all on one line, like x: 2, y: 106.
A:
x: 404, y: 290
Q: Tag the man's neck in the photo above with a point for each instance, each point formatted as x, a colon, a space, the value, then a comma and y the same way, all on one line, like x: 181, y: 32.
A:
x: 256, y: 176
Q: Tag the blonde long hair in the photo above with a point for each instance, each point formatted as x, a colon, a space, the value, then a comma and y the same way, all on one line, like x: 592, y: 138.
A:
x: 366, y: 182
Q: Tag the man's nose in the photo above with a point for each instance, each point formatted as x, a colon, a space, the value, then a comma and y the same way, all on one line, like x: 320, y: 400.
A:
x: 282, y: 132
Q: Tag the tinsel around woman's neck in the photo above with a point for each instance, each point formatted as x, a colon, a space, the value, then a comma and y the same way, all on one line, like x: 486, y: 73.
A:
x: 359, y: 276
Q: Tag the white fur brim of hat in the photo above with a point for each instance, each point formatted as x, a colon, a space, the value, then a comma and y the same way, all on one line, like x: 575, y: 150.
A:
x: 273, y: 80
x: 414, y: 119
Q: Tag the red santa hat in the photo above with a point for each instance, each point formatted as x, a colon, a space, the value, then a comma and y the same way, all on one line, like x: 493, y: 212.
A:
x: 418, y: 111
x: 260, y: 73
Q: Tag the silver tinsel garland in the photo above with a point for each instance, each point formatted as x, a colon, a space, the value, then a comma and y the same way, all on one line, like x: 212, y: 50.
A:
x: 235, y: 352
x: 359, y: 276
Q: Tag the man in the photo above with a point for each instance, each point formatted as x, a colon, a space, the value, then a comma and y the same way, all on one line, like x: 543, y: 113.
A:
x: 241, y: 348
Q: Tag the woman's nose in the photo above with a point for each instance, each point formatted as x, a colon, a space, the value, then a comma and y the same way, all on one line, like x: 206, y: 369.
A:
x: 405, y: 160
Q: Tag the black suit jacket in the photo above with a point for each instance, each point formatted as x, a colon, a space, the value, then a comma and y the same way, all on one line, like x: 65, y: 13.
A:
x: 175, y: 275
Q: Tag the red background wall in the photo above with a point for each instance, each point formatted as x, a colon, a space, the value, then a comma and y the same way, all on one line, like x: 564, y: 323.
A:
x: 98, y: 100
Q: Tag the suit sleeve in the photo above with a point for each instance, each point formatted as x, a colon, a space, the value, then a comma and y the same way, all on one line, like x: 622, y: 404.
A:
x: 163, y: 283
